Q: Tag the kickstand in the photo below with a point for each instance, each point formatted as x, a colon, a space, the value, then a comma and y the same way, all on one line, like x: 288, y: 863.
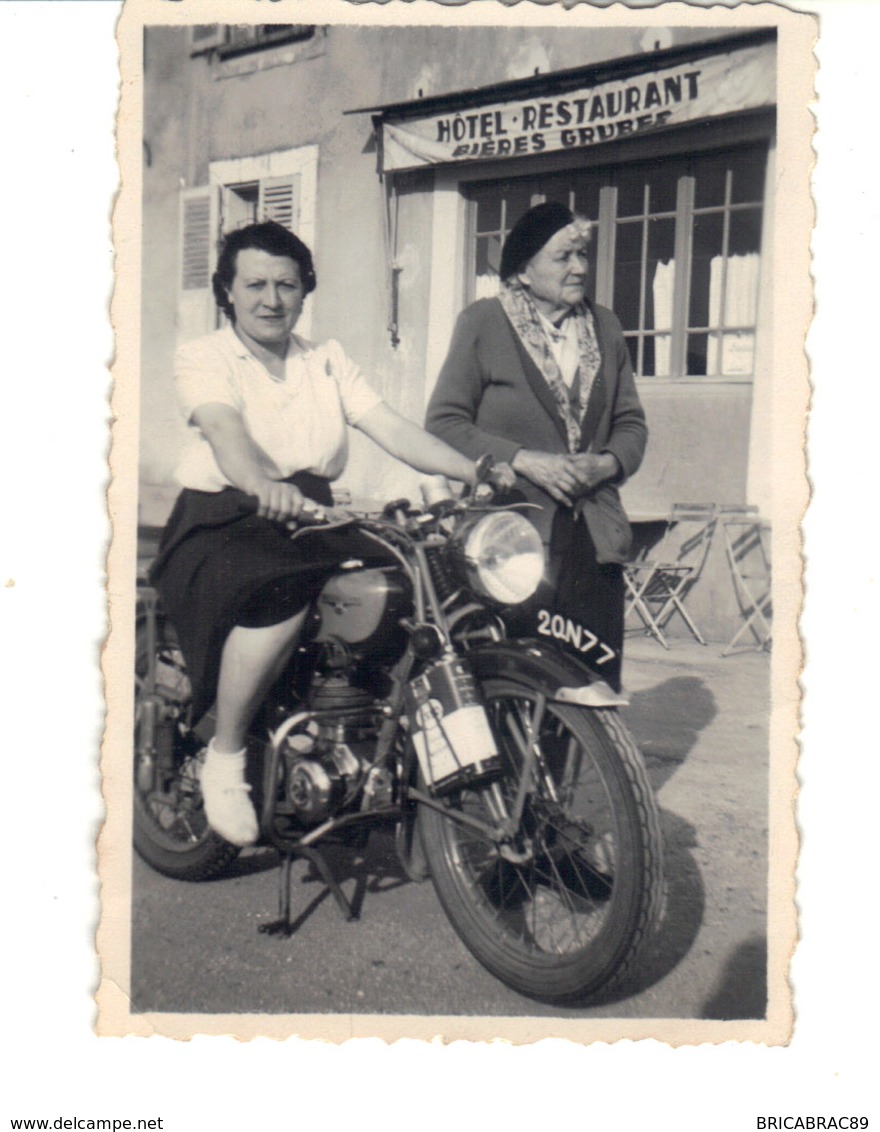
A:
x: 283, y: 926
x: 316, y: 858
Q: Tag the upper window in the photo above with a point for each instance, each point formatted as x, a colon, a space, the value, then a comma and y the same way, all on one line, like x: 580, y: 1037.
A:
x: 675, y: 252
x: 280, y: 186
x: 235, y: 39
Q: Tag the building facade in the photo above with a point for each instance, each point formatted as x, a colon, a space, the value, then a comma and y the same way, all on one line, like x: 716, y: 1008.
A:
x: 403, y: 155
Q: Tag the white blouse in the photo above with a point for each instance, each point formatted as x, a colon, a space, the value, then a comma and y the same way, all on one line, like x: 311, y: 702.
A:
x: 564, y: 344
x: 298, y: 421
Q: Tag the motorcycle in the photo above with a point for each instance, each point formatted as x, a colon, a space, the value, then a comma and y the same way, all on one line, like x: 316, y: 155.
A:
x: 502, y: 764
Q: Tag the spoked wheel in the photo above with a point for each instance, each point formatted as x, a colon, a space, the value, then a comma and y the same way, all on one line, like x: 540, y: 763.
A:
x: 170, y: 829
x: 565, y: 907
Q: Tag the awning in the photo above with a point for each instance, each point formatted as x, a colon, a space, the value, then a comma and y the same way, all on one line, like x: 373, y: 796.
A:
x: 570, y: 110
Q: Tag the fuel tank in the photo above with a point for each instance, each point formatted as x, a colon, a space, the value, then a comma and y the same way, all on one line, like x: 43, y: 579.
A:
x: 361, y: 606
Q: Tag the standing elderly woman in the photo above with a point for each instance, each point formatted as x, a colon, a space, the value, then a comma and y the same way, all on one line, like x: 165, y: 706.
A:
x: 268, y: 414
x: 541, y: 378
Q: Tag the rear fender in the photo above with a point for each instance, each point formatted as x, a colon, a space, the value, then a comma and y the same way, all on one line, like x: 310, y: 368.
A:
x: 552, y: 672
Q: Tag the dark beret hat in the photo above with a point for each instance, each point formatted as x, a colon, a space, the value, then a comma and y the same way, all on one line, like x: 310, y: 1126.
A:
x: 530, y: 233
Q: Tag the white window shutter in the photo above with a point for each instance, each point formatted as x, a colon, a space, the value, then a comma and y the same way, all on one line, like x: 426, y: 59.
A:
x: 280, y: 199
x: 198, y: 231
x: 195, y: 240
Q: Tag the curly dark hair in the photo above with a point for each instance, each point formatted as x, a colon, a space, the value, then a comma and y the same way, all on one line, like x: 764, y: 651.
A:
x: 266, y: 237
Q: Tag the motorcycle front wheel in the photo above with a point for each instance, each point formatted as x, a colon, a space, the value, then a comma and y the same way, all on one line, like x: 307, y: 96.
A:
x: 171, y: 832
x: 566, y: 907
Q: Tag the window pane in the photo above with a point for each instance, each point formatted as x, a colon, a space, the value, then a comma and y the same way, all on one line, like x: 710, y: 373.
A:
x: 664, y: 186
x: 488, y: 257
x: 696, y: 354
x: 489, y: 212
x: 745, y: 231
x: 647, y: 357
x: 631, y: 193
x: 586, y: 199
x: 738, y: 354
x: 628, y: 245
x: 488, y: 254
x: 736, y: 357
x: 710, y: 175
x: 741, y: 290
x: 661, y: 274
x: 627, y: 294
x: 519, y: 200
x: 748, y: 167
x: 706, y: 270
x: 628, y: 274
x: 659, y: 178
x: 657, y: 356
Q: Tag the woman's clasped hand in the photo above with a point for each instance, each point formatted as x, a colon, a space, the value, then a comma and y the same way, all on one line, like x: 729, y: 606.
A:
x: 565, y: 477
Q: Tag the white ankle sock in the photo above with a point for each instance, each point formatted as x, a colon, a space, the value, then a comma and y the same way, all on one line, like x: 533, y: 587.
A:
x: 225, y: 793
x: 226, y: 760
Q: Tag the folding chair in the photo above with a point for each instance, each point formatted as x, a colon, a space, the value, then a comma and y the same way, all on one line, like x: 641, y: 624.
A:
x: 656, y: 586
x: 747, y: 545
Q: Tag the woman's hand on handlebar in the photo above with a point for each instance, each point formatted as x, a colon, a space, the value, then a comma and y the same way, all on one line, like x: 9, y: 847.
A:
x: 502, y: 477
x: 278, y: 501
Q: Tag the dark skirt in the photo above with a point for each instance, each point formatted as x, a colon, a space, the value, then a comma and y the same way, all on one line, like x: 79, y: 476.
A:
x: 220, y: 565
x: 580, y: 606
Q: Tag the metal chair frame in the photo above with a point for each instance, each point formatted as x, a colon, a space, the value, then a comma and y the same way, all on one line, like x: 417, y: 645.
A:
x: 663, y: 583
x: 745, y: 539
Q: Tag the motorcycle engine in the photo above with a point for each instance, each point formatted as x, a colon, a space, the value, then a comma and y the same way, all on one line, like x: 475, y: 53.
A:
x: 327, y: 758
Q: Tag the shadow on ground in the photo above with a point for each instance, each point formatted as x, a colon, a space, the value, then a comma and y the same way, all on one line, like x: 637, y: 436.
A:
x: 742, y: 986
x: 666, y: 721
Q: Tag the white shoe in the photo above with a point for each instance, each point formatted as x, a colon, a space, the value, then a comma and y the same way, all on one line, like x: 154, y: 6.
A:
x: 225, y: 793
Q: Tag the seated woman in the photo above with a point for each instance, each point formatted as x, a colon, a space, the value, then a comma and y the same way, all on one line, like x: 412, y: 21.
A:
x: 268, y: 415
x: 541, y: 377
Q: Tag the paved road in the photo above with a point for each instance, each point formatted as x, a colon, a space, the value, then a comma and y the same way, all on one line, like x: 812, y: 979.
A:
x: 702, y: 723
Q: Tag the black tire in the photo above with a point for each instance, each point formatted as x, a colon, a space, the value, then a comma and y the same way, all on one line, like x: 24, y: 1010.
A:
x: 573, y: 916
x: 170, y: 829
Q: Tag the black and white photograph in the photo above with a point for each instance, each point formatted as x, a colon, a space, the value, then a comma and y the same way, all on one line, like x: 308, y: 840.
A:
x: 99, y: 1037
x: 452, y: 526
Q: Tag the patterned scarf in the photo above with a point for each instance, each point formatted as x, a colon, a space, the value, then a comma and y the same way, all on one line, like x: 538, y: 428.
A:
x: 519, y: 306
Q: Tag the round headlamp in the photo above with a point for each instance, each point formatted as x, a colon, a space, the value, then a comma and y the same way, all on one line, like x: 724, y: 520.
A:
x: 503, y: 557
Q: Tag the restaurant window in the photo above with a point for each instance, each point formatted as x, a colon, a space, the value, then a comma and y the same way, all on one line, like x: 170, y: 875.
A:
x: 675, y: 252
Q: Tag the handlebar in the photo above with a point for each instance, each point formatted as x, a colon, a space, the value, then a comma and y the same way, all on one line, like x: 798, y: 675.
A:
x: 312, y: 516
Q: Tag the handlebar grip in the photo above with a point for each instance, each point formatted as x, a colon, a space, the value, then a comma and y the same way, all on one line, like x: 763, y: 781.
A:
x: 391, y: 509
x: 311, y: 515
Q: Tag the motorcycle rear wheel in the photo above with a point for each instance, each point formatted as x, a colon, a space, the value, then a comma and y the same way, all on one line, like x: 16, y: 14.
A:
x: 575, y: 910
x: 170, y: 830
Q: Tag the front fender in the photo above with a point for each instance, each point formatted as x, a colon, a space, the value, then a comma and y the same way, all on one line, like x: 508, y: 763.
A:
x: 554, y: 673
